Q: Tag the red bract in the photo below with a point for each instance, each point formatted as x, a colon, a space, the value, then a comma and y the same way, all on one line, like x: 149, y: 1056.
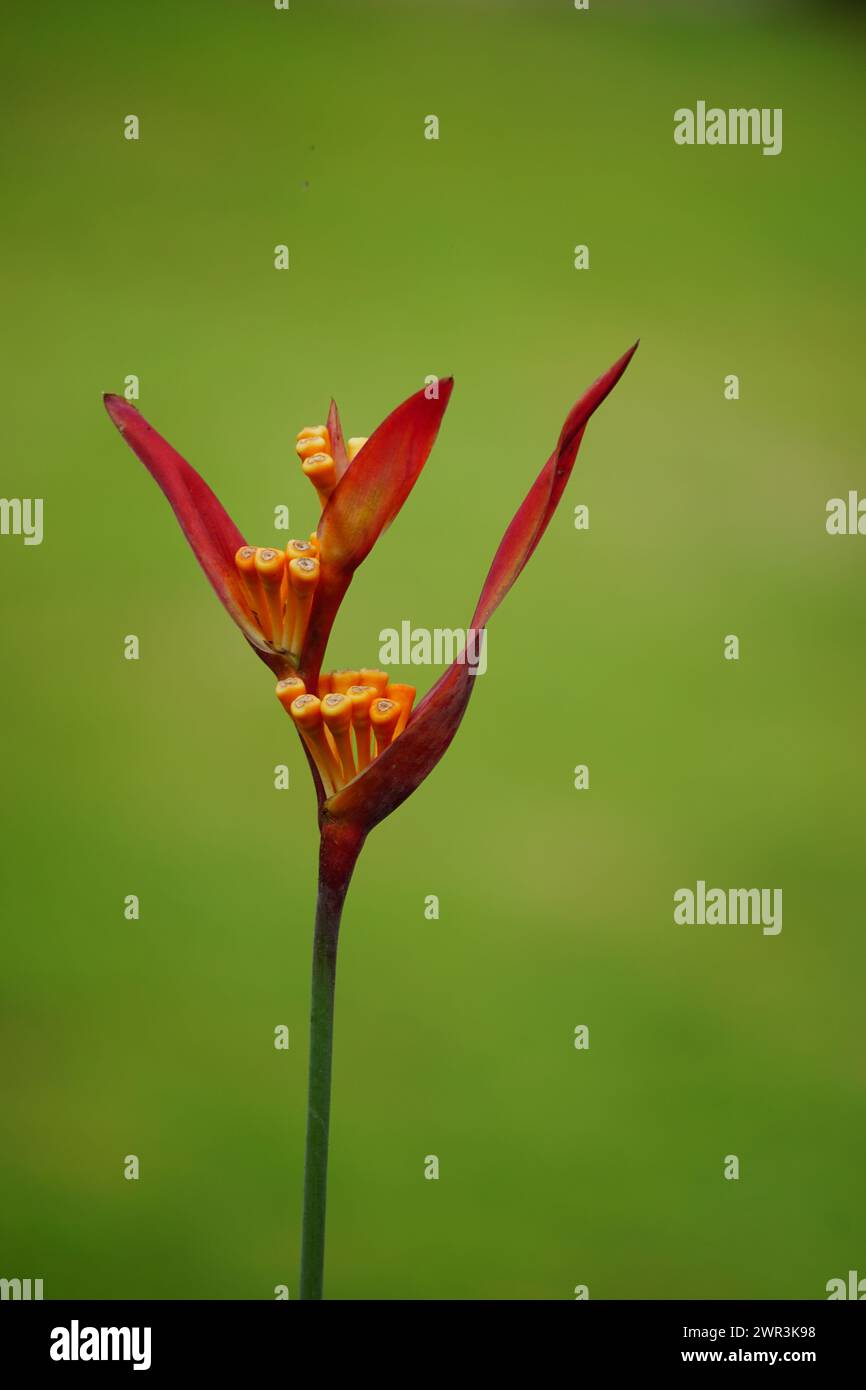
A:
x: 212, y: 534
x: 402, y: 767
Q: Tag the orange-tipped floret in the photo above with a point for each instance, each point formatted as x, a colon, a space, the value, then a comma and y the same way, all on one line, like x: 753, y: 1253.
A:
x: 269, y: 568
x: 337, y: 714
x: 300, y: 550
x: 295, y: 550
x: 325, y: 685
x: 405, y: 698
x: 321, y: 470
x: 383, y: 717
x: 341, y: 680
x: 378, y: 679
x: 310, y: 447
x: 306, y: 711
x: 313, y: 439
x: 303, y: 578
x: 354, y: 446
x: 362, y: 696
x: 313, y: 432
x: 245, y: 563
x: 288, y: 690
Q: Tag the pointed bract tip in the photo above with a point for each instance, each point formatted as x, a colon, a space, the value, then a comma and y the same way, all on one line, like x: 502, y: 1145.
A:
x: 444, y: 387
x: 615, y: 372
x: 117, y: 406
x: 609, y: 378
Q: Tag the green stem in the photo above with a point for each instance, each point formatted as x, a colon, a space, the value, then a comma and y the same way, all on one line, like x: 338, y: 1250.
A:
x: 340, y: 847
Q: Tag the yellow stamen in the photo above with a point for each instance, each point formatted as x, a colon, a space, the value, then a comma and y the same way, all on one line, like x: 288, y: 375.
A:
x: 341, y: 680
x: 353, y: 446
x: 378, y: 679
x: 337, y: 714
x: 362, y: 697
x: 405, y: 697
x: 289, y: 690
x: 321, y: 470
x: 269, y: 567
x: 383, y: 716
x: 306, y: 711
x: 303, y: 578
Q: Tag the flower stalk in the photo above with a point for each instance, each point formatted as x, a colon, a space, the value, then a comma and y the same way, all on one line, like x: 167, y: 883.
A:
x: 338, y: 853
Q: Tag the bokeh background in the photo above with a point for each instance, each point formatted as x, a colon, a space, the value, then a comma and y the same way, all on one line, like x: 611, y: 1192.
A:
x: 454, y: 1037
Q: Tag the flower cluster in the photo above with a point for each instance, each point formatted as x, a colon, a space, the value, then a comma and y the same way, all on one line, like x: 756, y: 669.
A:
x: 368, y: 747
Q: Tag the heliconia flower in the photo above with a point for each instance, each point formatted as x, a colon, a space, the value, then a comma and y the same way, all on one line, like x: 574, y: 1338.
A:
x: 285, y: 599
x: 367, y: 745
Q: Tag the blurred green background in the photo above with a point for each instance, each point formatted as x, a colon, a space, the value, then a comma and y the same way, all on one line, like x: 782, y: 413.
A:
x: 455, y: 1037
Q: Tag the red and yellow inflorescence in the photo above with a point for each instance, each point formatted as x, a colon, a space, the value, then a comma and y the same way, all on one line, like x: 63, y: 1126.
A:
x: 285, y: 600
x: 279, y: 585
x: 353, y: 715
x: 353, y: 718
